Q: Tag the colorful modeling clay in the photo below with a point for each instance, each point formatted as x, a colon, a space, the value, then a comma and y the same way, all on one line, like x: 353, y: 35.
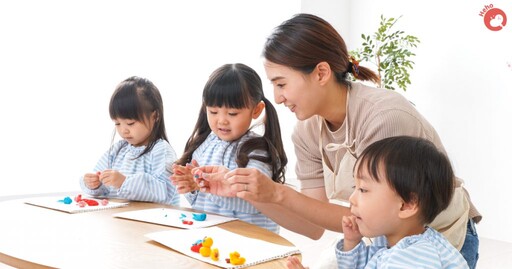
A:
x: 205, y: 251
x: 204, y: 248
x: 66, y: 200
x: 207, y: 242
x: 199, y: 216
x: 215, y: 254
x: 82, y: 203
x: 90, y: 202
x: 196, y: 246
x: 187, y: 222
x: 235, y: 259
x: 104, y: 202
x: 78, y: 198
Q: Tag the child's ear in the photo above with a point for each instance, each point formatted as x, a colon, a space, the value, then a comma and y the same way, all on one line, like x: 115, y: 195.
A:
x: 258, y: 109
x: 409, y: 209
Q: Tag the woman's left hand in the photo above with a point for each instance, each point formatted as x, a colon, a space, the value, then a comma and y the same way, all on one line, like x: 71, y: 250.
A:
x: 250, y: 184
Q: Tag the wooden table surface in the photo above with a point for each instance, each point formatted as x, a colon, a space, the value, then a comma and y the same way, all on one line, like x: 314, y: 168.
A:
x: 36, y: 237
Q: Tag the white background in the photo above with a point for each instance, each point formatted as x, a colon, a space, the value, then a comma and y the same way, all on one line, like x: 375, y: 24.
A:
x: 462, y: 83
x: 60, y: 62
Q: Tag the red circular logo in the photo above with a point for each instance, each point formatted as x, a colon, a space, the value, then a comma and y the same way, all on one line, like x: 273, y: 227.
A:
x: 495, y: 19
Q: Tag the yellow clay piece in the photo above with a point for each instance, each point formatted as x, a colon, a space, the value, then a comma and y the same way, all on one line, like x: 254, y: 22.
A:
x: 207, y: 242
x: 234, y: 254
x: 215, y: 254
x: 238, y: 261
x: 241, y: 260
x: 235, y: 259
x: 205, y: 251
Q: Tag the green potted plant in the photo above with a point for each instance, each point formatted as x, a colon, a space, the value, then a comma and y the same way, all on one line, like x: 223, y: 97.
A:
x: 390, y: 51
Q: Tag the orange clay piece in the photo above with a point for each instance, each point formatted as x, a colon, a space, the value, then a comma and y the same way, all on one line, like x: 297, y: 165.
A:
x: 215, y: 254
x: 207, y: 242
x: 205, y: 251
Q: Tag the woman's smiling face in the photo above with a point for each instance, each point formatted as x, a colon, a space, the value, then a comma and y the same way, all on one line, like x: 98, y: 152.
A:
x: 294, y: 89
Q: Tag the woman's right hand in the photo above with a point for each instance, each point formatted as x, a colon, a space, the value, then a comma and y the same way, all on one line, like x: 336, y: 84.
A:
x: 246, y: 183
x: 211, y: 179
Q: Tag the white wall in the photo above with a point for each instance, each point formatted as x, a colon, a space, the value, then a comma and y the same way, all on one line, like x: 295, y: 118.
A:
x: 461, y: 82
x: 61, y: 60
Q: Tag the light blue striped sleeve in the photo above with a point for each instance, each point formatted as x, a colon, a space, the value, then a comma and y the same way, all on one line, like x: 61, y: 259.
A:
x: 424, y: 254
x: 355, y: 258
x: 415, y: 256
x: 418, y: 251
x: 191, y: 197
x: 359, y: 256
x: 101, y: 165
x: 233, y: 204
x: 153, y: 185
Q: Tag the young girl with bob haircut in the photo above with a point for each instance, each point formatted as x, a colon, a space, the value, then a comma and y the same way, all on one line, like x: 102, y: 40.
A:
x: 232, y: 98
x: 138, y: 166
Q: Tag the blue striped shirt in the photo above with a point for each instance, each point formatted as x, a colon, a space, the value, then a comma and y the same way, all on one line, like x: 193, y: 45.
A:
x: 429, y: 250
x: 147, y: 177
x: 215, y: 151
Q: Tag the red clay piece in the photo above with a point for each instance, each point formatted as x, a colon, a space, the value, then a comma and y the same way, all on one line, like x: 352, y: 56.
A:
x: 90, y: 202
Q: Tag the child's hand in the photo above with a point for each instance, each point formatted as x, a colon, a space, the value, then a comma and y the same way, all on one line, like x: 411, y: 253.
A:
x: 92, y: 181
x: 293, y: 262
x: 183, y: 179
x: 351, y: 236
x: 112, y: 178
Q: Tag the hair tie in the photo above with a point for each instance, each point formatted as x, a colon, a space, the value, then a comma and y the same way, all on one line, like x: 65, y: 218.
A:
x: 354, y: 65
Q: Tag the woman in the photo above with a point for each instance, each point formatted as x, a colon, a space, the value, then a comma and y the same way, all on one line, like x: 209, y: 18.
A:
x: 308, y: 64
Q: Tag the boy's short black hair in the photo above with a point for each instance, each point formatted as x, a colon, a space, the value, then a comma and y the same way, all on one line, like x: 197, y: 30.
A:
x: 414, y: 168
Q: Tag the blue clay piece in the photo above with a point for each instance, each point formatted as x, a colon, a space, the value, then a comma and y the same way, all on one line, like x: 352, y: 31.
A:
x: 199, y: 216
x: 66, y: 200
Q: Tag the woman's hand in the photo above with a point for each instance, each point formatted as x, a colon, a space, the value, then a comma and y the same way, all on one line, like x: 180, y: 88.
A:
x: 246, y: 183
x: 112, y: 178
x: 211, y: 179
x: 182, y: 177
x: 252, y: 185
